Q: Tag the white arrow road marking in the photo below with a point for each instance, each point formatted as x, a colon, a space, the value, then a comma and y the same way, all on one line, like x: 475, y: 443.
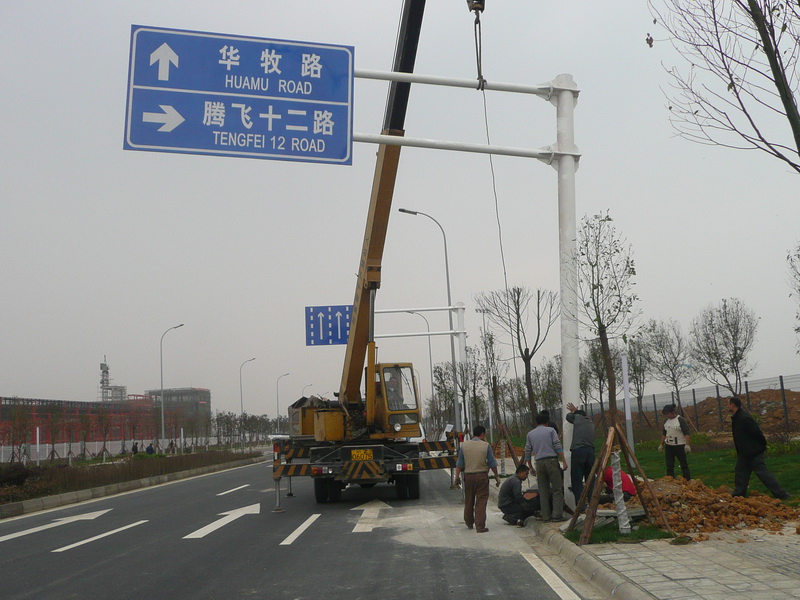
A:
x: 164, y: 55
x: 234, y: 489
x: 369, y: 518
x: 229, y: 517
x: 98, y: 537
x: 170, y: 118
x: 55, y: 523
x: 300, y: 530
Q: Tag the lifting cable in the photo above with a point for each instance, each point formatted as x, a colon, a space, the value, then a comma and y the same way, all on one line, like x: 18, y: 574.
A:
x: 477, y: 6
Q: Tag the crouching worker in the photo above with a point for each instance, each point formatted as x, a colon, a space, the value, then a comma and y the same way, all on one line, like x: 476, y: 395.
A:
x: 628, y: 489
x: 515, y: 504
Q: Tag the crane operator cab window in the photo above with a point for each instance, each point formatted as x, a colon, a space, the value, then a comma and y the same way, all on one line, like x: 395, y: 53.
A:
x: 399, y: 383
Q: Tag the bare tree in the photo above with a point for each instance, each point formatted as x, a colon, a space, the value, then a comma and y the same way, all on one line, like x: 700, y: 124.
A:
x: 721, y: 337
x: 793, y: 258
x: 748, y: 51
x: 608, y: 304
x: 670, y: 353
x: 547, y: 383
x: 595, y: 366
x: 510, y: 310
x: 471, y: 378
x: 639, y: 370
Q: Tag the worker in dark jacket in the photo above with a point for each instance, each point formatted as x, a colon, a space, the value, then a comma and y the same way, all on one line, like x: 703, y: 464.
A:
x: 515, y: 504
x: 750, y: 448
x: 582, y: 448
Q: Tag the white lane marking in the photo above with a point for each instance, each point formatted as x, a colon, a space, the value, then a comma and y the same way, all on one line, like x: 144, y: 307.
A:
x: 297, y: 532
x: 236, y: 489
x: 97, y: 537
x: 267, y: 490
x: 553, y: 580
x: 55, y: 523
x: 369, y: 518
x: 230, y: 516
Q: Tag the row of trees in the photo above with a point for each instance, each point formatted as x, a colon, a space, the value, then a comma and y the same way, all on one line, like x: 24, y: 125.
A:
x: 717, y: 346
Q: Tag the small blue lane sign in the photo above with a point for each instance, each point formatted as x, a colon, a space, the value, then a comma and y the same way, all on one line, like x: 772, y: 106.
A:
x: 208, y: 93
x: 327, y: 325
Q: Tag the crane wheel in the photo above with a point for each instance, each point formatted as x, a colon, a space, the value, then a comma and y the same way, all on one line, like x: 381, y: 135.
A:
x: 321, y: 490
x: 401, y: 484
x: 412, y: 483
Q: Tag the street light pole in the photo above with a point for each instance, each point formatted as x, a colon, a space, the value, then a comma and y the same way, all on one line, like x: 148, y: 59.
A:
x: 489, y: 398
x: 459, y: 424
x: 161, y: 356
x: 241, y: 401
x: 303, y: 393
x: 278, y: 403
x: 430, y: 354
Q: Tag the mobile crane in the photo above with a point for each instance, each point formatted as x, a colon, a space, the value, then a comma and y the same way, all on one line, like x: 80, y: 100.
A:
x: 355, y: 440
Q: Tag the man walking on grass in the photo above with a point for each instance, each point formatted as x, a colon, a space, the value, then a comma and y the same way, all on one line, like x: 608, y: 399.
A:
x: 750, y: 448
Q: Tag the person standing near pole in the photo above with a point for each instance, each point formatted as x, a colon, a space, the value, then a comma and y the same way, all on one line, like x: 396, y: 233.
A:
x: 750, y: 448
x: 475, y: 459
x: 675, y: 441
x: 544, y: 446
x: 581, y: 450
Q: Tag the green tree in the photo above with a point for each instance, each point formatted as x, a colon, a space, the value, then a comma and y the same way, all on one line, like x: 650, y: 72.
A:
x: 608, y: 304
x: 721, y: 339
x: 670, y: 353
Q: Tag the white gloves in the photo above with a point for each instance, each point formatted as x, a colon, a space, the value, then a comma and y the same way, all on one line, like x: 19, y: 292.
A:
x: 688, y: 448
x: 661, y: 448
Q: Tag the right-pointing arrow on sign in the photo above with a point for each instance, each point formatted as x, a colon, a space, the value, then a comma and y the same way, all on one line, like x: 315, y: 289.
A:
x: 170, y: 118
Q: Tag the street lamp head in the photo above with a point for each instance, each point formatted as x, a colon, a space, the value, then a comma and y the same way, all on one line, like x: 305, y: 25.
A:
x: 176, y: 326
x: 407, y: 211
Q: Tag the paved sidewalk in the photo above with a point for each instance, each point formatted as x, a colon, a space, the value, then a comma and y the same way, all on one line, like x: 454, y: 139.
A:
x: 732, y: 565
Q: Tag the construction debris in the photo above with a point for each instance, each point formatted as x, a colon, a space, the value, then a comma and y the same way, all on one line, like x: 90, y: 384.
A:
x: 693, y: 507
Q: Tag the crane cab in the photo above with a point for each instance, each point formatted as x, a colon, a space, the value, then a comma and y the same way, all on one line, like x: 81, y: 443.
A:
x: 396, y: 402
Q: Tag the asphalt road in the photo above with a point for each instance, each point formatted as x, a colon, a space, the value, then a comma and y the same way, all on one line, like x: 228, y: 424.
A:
x: 181, y: 540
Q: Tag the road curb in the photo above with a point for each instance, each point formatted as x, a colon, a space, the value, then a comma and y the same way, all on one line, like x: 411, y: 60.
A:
x: 610, y: 581
x: 15, y: 509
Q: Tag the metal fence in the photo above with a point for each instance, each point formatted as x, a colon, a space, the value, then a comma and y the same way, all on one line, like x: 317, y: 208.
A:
x: 775, y: 401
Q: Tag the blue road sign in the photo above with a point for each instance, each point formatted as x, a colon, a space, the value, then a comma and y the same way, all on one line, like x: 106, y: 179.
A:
x: 209, y: 93
x: 327, y: 325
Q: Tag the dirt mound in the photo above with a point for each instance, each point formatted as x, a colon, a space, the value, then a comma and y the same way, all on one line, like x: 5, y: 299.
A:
x: 693, y: 507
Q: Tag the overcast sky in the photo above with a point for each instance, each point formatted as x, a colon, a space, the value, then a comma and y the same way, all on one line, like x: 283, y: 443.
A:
x: 103, y: 249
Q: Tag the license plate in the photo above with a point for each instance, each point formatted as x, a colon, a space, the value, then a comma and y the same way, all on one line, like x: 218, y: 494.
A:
x: 361, y: 454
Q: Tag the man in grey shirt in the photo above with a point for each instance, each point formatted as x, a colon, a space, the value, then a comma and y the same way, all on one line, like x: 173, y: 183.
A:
x: 543, y: 444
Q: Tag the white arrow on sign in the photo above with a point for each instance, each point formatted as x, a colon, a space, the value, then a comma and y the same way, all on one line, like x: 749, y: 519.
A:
x: 164, y: 55
x: 321, y: 330
x: 229, y: 517
x: 55, y: 523
x: 339, y: 324
x: 369, y: 518
x: 170, y: 118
